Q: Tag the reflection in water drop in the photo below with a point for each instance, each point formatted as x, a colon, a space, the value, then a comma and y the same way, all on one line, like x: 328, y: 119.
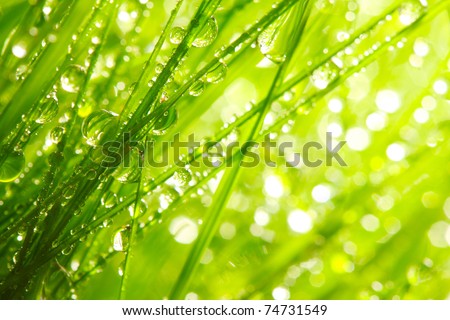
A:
x: 197, y: 88
x: 216, y: 73
x: 207, y: 34
x: 177, y: 34
x: 121, y: 239
x: 109, y: 199
x: 12, y: 166
x: 167, y: 120
x: 48, y: 109
x: 410, y: 11
x: 72, y: 79
x: 98, y: 125
x: 324, y: 75
x: 56, y: 134
x: 182, y: 177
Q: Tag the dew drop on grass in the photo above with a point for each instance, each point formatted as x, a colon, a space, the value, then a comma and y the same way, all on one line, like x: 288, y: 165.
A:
x: 182, y: 177
x: 159, y: 68
x: 67, y: 251
x: 167, y: 120
x: 48, y: 109
x: 267, y: 40
x: 69, y: 192
x: 274, y: 40
x: 324, y: 75
x: 121, y: 239
x: 197, y: 88
x: 121, y: 269
x: 207, y: 34
x: 12, y: 166
x: 410, y: 11
x: 98, y: 125
x: 177, y: 34
x: 56, y: 134
x: 109, y: 199
x: 217, y: 73
x: 73, y: 78
x: 21, y: 72
x: 130, y: 169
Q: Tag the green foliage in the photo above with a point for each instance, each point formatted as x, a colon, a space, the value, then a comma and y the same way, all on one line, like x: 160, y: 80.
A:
x: 77, y: 76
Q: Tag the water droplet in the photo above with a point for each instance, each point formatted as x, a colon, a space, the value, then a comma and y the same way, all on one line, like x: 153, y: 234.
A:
x: 91, y: 174
x: 98, y: 125
x: 106, y: 223
x: 21, y: 72
x: 177, y: 34
x: 273, y: 40
x: 56, y: 134
x: 130, y: 169
x: 207, y: 34
x: 197, y: 88
x: 121, y: 269
x: 12, y: 166
x: 159, y: 68
x: 73, y: 78
x: 69, y: 192
x: 48, y: 109
x: 182, y: 177
x: 165, y: 122
x: 67, y: 251
x: 322, y: 76
x: 409, y: 12
x: 216, y: 73
x: 121, y: 239
x: 109, y: 199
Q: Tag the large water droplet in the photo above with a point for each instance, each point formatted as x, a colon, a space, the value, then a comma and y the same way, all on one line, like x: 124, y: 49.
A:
x: 48, y: 109
x: 177, y: 34
x: 217, y: 73
x: 197, y: 88
x: 97, y: 126
x: 182, y: 177
x: 12, y: 166
x: 165, y: 122
x: 56, y: 134
x: 130, y: 168
x: 324, y: 75
x: 121, y: 239
x: 69, y: 192
x: 274, y: 39
x: 409, y: 12
x: 109, y: 199
x: 207, y: 34
x: 73, y: 78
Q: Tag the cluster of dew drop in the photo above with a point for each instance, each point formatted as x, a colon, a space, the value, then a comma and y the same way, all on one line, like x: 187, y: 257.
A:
x: 205, y: 37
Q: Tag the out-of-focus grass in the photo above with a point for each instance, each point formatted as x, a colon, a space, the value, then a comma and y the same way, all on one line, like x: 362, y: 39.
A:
x: 374, y: 73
